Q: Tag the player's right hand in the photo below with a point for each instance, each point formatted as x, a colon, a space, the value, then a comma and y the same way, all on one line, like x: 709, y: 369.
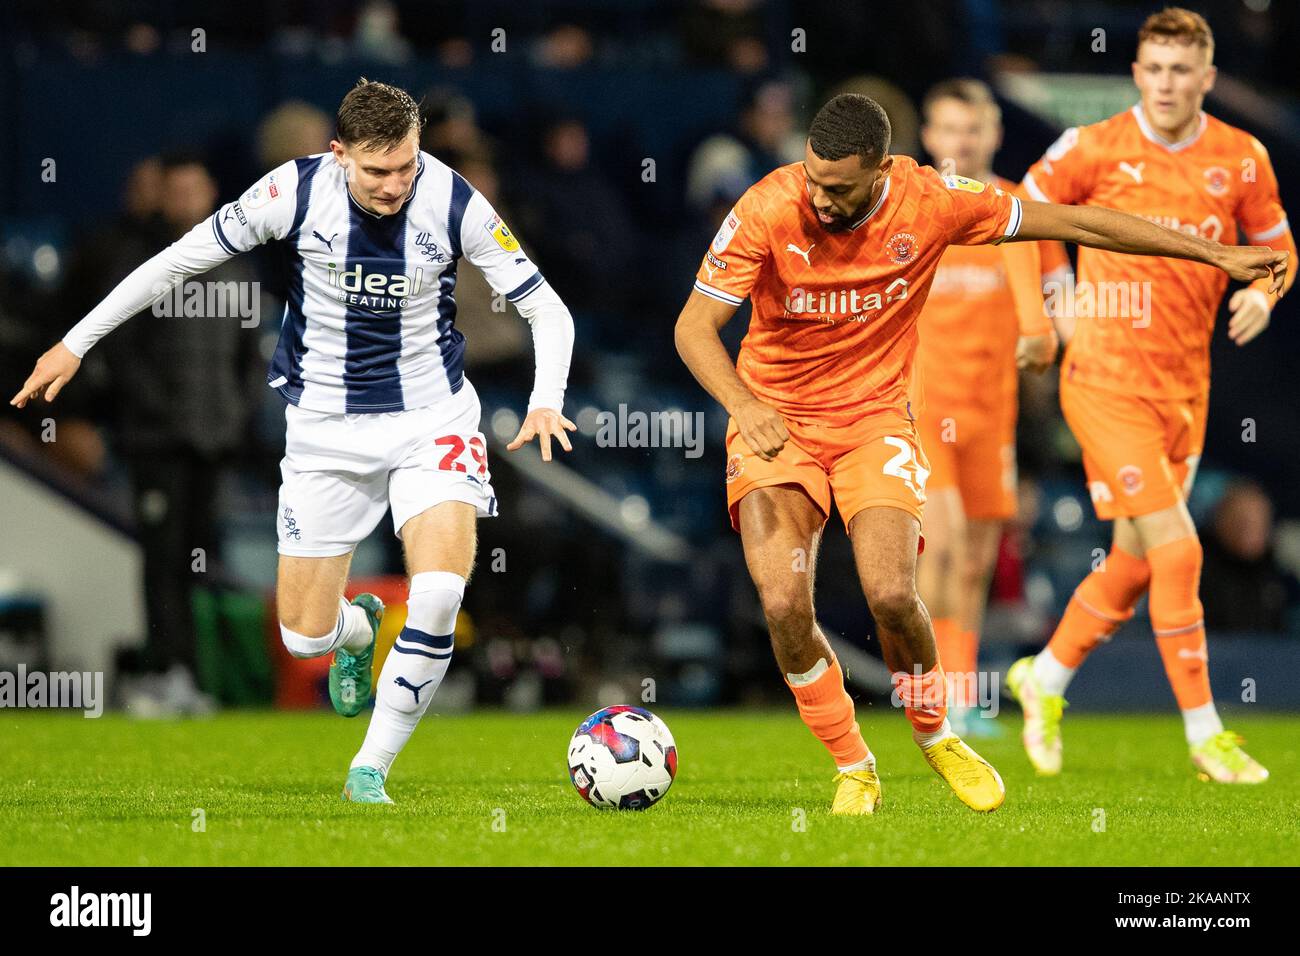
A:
x: 53, y: 370
x: 762, y: 428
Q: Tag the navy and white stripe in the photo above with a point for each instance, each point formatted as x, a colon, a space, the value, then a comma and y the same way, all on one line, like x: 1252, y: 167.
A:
x: 718, y: 294
x: 412, y: 641
x: 1013, y: 221
x: 525, y: 287
x: 221, y: 237
x: 374, y: 331
x: 286, y: 364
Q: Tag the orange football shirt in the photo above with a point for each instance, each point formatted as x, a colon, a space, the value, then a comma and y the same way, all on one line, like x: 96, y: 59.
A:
x: 1144, y: 323
x: 833, y: 330
x: 982, y: 300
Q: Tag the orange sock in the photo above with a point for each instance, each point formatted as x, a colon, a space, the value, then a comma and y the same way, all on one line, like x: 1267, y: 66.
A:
x: 1178, y: 619
x: 1099, y: 606
x: 966, y: 663
x: 827, y: 709
x: 948, y: 643
x: 947, y: 640
x: 923, y: 697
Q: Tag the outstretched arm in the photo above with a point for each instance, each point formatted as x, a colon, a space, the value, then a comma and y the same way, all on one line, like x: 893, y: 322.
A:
x: 264, y: 212
x: 196, y: 252
x: 1117, y: 231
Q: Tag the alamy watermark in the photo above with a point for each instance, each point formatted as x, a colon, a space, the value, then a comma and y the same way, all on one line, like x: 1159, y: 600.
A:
x: 210, y: 300
x: 74, y: 690
x: 636, y: 429
x: 1099, y: 300
x: 980, y: 688
x: 75, y: 908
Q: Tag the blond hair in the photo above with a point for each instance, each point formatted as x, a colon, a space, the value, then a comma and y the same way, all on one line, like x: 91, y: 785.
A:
x: 1176, y: 25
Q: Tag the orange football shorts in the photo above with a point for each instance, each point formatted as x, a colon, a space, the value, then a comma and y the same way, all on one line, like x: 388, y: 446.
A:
x: 1140, y: 454
x: 875, y: 460
x: 974, y: 452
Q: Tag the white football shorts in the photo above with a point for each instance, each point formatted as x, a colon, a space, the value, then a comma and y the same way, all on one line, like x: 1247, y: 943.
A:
x: 341, y: 472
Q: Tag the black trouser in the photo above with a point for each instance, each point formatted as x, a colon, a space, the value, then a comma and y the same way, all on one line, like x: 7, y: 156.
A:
x: 175, y: 509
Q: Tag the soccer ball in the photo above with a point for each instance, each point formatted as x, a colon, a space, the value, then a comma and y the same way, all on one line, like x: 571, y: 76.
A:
x: 622, y: 757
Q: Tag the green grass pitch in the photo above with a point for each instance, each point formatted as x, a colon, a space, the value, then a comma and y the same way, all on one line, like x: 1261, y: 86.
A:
x: 491, y: 789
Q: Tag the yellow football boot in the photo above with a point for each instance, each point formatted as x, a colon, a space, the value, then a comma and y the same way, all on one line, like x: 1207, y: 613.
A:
x: 858, y: 793
x: 1221, y: 759
x: 1042, y: 732
x: 971, y: 777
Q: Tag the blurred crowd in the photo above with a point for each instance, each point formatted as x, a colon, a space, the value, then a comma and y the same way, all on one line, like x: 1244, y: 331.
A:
x: 748, y: 37
x: 166, y: 411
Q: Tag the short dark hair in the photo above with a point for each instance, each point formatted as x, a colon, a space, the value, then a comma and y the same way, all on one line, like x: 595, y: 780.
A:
x: 850, y: 125
x: 377, y: 115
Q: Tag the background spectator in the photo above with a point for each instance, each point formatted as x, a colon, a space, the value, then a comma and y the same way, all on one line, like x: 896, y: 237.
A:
x: 1242, y: 586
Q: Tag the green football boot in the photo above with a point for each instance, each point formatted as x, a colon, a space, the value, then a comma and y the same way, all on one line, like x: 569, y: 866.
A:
x: 365, y: 785
x: 350, y: 678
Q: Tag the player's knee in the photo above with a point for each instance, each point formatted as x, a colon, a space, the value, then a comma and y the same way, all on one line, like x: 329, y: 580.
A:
x: 425, y: 608
x: 1181, y: 558
x: 892, y: 602
x: 312, y: 622
x: 434, y: 601
x: 788, y: 610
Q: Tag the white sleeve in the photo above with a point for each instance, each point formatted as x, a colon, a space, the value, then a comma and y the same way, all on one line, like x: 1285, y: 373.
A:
x: 552, y: 345
x: 263, y: 213
x: 490, y: 245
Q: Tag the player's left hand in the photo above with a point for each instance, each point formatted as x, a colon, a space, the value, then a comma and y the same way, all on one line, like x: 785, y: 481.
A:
x: 544, y: 424
x: 1251, y: 309
x: 1036, y: 352
x: 1248, y: 263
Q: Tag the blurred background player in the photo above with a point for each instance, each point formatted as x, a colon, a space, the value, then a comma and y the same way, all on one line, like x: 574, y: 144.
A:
x: 837, y: 255
x: 984, y: 318
x: 379, y: 411
x: 1135, y: 385
x: 185, y: 387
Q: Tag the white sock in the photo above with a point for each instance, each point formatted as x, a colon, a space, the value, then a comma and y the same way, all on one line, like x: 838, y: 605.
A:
x: 300, y: 645
x: 866, y: 763
x: 1201, y: 723
x: 351, y: 631
x: 1053, y: 676
x: 414, y: 668
x: 355, y: 627
x: 932, y: 738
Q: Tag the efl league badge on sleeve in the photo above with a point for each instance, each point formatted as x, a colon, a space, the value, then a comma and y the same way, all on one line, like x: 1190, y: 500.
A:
x: 261, y: 194
x: 726, y: 231
x: 502, y: 234
x: 964, y: 184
